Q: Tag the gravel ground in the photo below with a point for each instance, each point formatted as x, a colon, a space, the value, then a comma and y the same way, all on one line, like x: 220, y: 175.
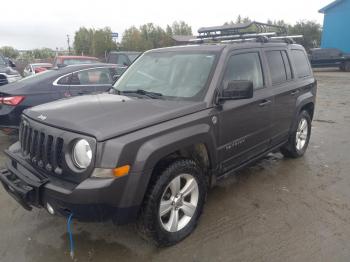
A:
x: 276, y: 210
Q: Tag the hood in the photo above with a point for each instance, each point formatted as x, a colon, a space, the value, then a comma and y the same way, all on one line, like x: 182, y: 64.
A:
x: 107, y: 115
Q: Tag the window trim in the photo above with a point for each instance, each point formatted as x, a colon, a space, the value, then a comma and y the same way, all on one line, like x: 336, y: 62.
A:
x: 242, y: 52
x: 55, y: 83
x: 290, y: 65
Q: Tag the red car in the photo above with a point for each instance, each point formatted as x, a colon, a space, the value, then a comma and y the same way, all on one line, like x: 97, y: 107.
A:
x: 61, y: 61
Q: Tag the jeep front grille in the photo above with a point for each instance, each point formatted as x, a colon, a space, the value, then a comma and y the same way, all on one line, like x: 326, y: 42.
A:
x: 41, y: 149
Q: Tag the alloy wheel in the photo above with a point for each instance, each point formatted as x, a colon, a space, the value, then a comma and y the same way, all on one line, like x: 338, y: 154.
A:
x: 179, y: 203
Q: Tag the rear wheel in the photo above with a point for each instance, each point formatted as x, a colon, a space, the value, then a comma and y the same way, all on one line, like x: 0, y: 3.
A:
x: 299, y: 138
x: 173, y: 204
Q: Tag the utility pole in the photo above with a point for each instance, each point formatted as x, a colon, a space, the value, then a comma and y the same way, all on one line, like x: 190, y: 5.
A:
x: 68, y: 42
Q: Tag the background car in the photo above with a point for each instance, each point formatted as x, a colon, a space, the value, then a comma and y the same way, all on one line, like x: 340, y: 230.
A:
x: 52, y: 85
x: 33, y: 69
x: 61, y: 61
x: 7, y: 72
x: 329, y: 57
x: 122, y: 58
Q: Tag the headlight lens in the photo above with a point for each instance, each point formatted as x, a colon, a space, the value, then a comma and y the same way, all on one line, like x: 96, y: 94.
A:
x: 82, y: 154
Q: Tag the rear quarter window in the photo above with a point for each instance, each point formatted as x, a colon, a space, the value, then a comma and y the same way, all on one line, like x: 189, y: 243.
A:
x: 277, y: 67
x: 301, y: 63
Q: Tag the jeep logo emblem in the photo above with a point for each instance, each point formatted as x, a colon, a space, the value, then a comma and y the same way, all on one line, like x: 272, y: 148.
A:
x: 42, y: 117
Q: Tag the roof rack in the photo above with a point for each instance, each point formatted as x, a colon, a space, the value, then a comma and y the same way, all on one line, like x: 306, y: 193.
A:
x: 251, y: 31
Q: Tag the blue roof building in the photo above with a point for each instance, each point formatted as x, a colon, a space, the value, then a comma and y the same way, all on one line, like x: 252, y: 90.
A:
x: 336, y: 25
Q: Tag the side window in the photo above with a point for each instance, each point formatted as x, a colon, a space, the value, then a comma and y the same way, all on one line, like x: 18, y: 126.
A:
x: 302, y: 67
x: 97, y: 76
x: 276, y: 65
x: 64, y: 80
x: 245, y: 67
x: 287, y: 65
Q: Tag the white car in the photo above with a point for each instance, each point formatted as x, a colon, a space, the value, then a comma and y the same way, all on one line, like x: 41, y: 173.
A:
x: 36, y: 68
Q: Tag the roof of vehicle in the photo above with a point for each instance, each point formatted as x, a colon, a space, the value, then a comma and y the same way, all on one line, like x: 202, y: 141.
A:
x: 76, y: 57
x: 217, y: 47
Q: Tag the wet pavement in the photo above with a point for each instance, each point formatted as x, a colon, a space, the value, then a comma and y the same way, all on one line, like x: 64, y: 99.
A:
x: 277, y: 210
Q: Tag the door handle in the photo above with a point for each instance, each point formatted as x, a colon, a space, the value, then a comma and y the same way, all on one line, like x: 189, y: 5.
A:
x: 265, y: 102
x: 295, y: 92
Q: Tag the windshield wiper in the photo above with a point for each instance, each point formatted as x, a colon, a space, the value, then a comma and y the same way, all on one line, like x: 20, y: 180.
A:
x: 141, y: 92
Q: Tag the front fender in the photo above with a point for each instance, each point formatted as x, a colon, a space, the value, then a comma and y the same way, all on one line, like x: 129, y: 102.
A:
x: 152, y: 151
x: 155, y: 149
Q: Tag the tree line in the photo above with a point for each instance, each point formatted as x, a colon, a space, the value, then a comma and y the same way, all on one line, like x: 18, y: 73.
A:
x: 98, y: 42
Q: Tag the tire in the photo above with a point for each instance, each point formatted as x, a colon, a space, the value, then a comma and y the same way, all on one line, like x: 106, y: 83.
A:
x: 163, y: 229
x: 298, y: 135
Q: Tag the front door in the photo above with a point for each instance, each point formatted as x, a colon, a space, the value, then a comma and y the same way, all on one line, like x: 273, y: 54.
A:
x: 244, y: 124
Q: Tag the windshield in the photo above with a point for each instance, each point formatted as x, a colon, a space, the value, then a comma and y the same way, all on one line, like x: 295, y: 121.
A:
x: 171, y: 74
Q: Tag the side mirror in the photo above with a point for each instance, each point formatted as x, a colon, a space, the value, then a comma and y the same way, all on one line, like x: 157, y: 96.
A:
x: 237, y: 89
x: 60, y: 65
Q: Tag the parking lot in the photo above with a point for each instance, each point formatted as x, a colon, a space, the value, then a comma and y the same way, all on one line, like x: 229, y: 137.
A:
x: 276, y: 210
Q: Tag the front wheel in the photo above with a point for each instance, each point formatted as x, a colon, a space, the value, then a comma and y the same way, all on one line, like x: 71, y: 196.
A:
x: 299, y: 138
x: 173, y: 204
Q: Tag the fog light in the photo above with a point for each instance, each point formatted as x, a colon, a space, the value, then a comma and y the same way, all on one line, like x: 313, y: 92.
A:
x: 50, y: 209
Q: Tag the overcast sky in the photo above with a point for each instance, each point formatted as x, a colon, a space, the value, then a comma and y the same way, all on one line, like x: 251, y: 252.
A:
x: 41, y: 23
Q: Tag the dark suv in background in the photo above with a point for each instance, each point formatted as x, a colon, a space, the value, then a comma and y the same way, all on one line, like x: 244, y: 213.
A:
x: 124, y: 58
x: 175, y: 122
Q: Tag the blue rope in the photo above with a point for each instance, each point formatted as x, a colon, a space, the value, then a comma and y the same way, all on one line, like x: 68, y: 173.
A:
x: 70, y: 235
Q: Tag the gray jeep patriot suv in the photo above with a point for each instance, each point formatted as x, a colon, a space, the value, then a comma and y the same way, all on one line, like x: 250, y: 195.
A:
x: 174, y: 123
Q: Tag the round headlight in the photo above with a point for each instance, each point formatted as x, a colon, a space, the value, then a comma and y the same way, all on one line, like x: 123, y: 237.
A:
x: 82, y: 154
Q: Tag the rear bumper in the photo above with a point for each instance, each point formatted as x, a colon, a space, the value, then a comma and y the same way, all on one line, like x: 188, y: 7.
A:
x: 90, y: 200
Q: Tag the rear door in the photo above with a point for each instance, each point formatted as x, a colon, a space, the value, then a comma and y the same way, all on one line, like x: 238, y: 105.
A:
x: 244, y: 125
x: 285, y: 90
x: 287, y: 82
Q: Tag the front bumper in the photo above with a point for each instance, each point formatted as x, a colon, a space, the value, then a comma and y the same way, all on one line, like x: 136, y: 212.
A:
x: 91, y: 200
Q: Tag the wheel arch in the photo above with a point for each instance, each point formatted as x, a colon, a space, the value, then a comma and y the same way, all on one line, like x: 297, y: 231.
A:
x: 195, y: 142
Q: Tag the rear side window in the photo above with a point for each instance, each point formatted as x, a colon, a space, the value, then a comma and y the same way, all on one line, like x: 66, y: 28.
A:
x: 277, y: 68
x: 97, y: 76
x: 64, y: 80
x: 302, y: 67
x: 245, y: 67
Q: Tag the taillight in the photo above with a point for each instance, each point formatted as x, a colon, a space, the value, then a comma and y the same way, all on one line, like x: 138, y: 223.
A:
x: 11, y: 100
